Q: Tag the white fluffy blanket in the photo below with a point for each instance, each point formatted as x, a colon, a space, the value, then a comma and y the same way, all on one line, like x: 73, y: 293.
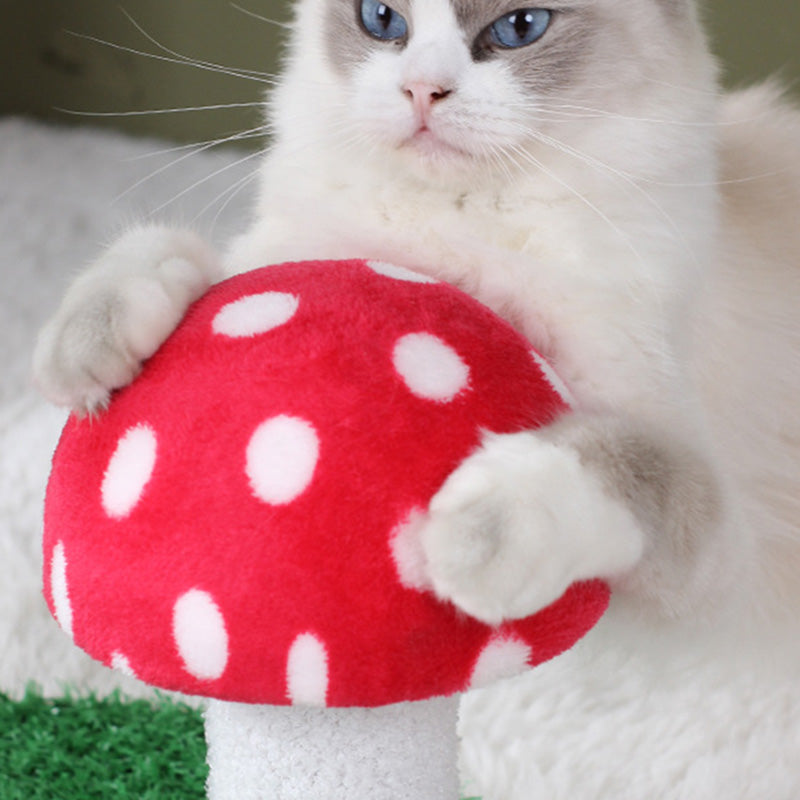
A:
x: 635, y: 712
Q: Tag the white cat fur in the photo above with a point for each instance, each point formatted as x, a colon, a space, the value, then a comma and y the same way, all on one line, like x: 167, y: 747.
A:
x: 653, y: 257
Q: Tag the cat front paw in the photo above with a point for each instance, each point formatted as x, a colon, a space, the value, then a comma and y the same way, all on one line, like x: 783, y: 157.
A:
x: 117, y: 314
x: 78, y: 361
x: 517, y: 523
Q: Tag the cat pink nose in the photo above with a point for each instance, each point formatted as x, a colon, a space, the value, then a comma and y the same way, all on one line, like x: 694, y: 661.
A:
x: 423, y: 95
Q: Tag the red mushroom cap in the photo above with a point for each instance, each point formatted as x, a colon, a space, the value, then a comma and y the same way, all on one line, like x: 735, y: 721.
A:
x: 240, y: 522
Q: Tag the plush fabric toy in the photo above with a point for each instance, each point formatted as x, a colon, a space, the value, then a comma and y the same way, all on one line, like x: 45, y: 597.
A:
x: 241, y: 524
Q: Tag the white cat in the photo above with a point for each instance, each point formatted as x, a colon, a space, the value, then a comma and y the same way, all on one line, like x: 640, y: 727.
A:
x: 577, y: 169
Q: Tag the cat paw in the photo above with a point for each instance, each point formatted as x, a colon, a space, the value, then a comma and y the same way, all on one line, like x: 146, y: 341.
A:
x: 517, y: 523
x: 117, y: 314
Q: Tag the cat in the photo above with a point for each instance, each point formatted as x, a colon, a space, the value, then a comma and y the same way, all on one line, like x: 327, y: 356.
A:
x: 577, y: 169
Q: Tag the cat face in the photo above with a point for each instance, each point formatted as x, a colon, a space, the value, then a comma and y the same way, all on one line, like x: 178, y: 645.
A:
x: 438, y: 83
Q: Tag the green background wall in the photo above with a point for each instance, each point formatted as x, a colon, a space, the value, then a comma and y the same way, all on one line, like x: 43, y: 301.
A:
x: 44, y: 67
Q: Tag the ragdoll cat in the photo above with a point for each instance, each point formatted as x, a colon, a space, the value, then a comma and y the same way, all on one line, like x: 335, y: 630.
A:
x: 576, y: 168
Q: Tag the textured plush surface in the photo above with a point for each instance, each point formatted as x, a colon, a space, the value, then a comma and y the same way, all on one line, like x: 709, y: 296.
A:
x: 240, y: 522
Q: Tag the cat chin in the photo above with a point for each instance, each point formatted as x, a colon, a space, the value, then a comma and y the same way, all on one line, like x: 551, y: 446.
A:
x: 430, y: 145
x: 426, y: 155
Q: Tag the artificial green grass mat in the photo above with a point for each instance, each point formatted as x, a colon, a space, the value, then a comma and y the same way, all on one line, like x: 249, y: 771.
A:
x: 82, y: 748
x: 89, y: 748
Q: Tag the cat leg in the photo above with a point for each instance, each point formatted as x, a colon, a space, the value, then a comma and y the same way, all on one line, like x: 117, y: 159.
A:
x: 117, y: 313
x: 590, y: 496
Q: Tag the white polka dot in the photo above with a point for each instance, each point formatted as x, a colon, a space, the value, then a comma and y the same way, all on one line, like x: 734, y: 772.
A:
x: 128, y: 471
x: 554, y: 379
x: 407, y: 553
x: 255, y: 314
x: 430, y: 368
x: 307, y: 671
x: 503, y: 657
x: 399, y: 273
x: 120, y: 663
x: 200, y: 635
x: 281, y: 458
x: 59, y: 589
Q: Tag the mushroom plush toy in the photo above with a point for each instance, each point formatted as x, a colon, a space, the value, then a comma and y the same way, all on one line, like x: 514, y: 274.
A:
x: 241, y: 524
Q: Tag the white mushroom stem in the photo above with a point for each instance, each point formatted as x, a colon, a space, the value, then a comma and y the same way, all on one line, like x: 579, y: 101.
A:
x: 293, y: 753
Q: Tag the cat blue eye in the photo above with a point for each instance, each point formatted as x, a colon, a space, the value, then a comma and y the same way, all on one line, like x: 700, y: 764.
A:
x: 520, y: 28
x: 382, y: 22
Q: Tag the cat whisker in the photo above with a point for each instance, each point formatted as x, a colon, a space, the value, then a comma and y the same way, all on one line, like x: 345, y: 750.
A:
x: 527, y: 156
x: 495, y: 157
x: 343, y: 131
x: 260, y: 18
x: 238, y: 187
x: 564, y: 110
x: 182, y: 60
x: 359, y: 141
x: 681, y: 184
x: 696, y: 90
x: 627, y: 178
x: 226, y: 195
x: 196, y: 150
x: 206, y: 178
x: 540, y: 116
x: 187, y: 59
x: 536, y: 111
x: 253, y: 133
x: 174, y: 57
x: 723, y: 182
x: 157, y: 111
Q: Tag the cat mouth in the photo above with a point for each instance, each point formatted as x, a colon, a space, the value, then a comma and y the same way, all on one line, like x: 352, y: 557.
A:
x: 431, y: 145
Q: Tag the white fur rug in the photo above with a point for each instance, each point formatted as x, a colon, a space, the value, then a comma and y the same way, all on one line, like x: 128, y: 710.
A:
x: 636, y: 711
